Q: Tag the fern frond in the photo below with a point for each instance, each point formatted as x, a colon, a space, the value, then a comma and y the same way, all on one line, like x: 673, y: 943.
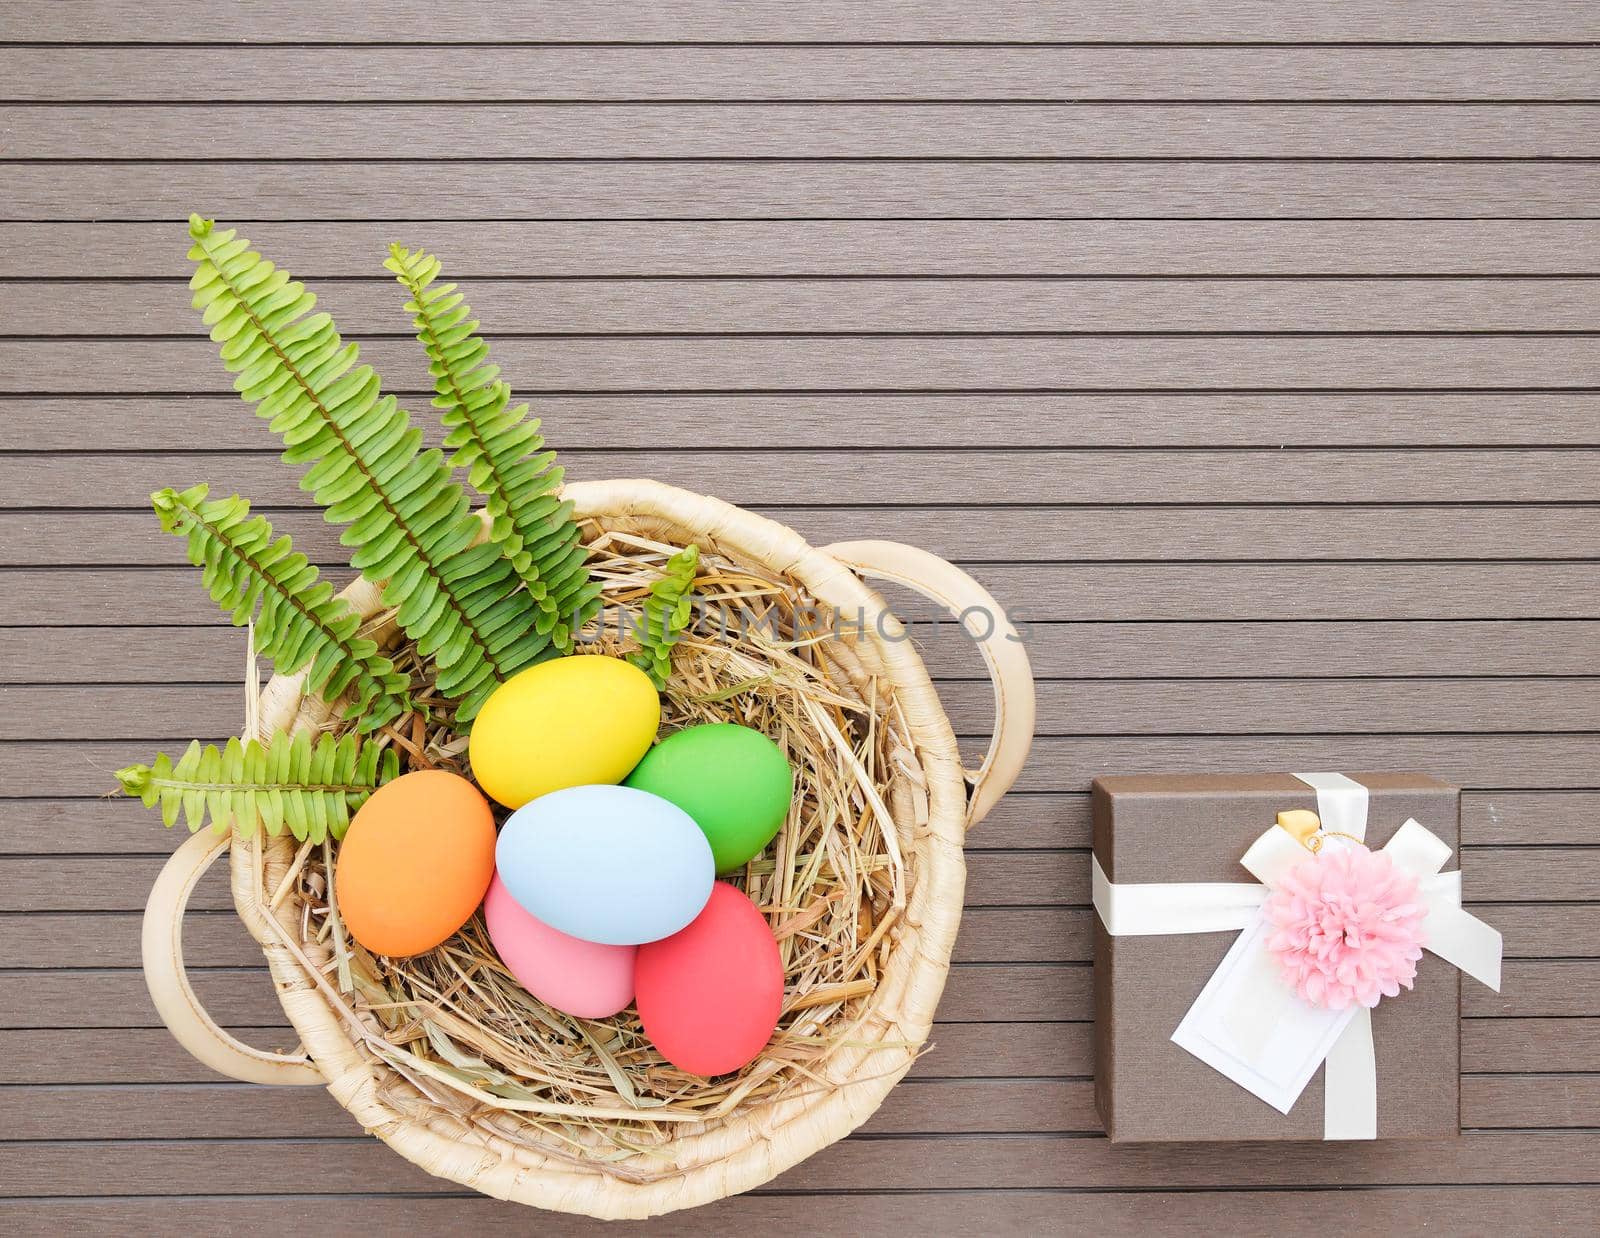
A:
x: 312, y: 788
x: 502, y: 451
x: 299, y: 623
x: 407, y: 522
x: 666, y: 612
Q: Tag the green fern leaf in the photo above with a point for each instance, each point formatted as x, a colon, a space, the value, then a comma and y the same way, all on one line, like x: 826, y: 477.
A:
x: 299, y: 623
x: 407, y: 522
x: 666, y: 613
x: 502, y: 451
x: 310, y: 788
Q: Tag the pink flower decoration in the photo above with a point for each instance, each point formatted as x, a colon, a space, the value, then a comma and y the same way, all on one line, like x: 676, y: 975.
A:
x: 1346, y: 927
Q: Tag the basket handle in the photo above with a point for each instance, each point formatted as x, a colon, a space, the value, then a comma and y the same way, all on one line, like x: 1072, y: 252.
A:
x: 947, y: 584
x: 175, y: 1001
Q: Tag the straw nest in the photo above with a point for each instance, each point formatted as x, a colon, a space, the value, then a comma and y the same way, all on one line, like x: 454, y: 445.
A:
x: 466, y: 1043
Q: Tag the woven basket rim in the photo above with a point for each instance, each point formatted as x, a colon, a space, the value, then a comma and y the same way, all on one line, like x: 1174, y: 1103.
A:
x: 754, y: 1144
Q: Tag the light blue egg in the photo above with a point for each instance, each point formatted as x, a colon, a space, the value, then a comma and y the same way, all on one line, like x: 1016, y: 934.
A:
x: 606, y: 863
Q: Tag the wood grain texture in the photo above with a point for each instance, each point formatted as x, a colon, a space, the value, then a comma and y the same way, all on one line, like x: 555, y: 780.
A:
x: 867, y: 306
x: 1033, y: 820
x: 894, y: 478
x: 769, y: 189
x: 960, y: 1050
x: 845, y: 74
x: 1033, y: 1160
x: 1088, y: 534
x: 594, y: 249
x: 1169, y: 592
x: 1086, y: 650
x: 659, y: 421
x: 1181, y: 1213
x: 826, y: 21
x: 1065, y: 707
x: 1049, y: 933
x: 1511, y: 761
x: 876, y: 363
x: 1245, y: 350
x: 1501, y: 1045
x: 95, y: 883
x: 807, y: 131
x: 1039, y: 877
x: 975, y: 993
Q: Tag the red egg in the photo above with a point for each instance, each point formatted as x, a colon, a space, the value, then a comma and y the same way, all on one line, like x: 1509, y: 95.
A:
x: 709, y: 995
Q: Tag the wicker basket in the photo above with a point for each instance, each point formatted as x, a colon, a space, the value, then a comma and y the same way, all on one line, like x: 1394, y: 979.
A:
x: 712, y: 1159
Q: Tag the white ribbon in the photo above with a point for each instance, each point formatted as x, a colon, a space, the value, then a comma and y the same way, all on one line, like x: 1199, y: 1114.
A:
x: 1350, y: 1081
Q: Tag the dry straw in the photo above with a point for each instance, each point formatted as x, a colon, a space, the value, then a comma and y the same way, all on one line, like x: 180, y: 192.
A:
x: 449, y: 1060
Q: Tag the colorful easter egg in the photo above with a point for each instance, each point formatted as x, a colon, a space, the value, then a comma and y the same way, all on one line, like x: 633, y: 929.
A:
x: 606, y: 864
x: 582, y: 978
x: 709, y: 997
x: 569, y: 722
x: 735, y: 782
x: 415, y: 862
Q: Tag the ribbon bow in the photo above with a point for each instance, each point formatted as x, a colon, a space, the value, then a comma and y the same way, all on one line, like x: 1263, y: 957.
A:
x: 1261, y: 1003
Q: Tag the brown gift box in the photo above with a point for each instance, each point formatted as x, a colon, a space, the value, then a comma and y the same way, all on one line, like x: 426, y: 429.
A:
x: 1195, y: 827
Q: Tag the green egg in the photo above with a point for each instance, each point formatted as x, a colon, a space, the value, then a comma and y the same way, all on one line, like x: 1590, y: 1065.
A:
x: 736, y: 784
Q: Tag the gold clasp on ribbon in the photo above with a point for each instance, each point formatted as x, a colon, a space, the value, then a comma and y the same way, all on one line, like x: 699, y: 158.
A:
x: 1303, y: 825
x: 1306, y: 828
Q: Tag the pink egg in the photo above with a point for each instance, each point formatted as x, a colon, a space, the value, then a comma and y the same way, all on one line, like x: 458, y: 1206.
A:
x: 581, y: 978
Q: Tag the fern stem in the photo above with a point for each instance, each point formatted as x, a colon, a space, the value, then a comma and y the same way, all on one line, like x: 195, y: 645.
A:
x: 231, y: 787
x: 286, y: 781
x: 500, y: 671
x: 370, y: 677
x: 501, y: 450
x: 434, y: 347
x: 666, y: 611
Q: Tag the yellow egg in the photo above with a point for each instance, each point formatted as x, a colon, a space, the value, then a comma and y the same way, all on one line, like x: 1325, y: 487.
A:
x: 570, y: 722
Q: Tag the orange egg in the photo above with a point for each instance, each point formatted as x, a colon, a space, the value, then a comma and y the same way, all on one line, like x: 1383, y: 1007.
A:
x: 415, y: 862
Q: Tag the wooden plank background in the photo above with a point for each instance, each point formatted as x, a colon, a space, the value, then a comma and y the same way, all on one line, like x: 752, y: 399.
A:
x: 1247, y: 350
